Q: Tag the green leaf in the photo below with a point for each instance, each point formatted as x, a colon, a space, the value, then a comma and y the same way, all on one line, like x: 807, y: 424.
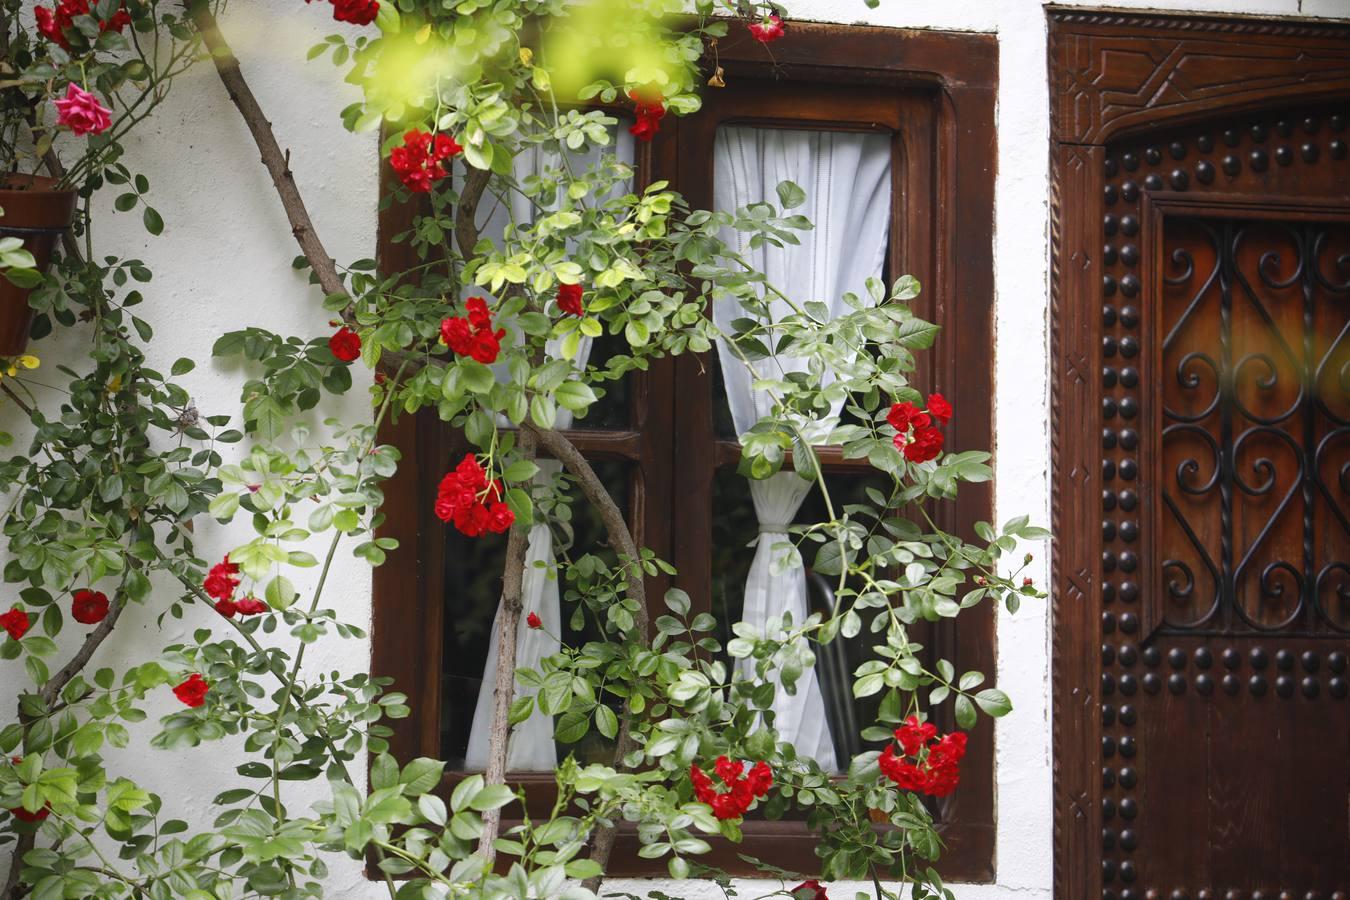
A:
x: 994, y: 702
x: 965, y: 712
x: 572, y: 726
x: 869, y: 685
x: 581, y: 869
x: 493, y: 796
x: 678, y: 601
x: 916, y: 334
x: 432, y: 809
x: 520, y: 470
x: 790, y: 195
x: 383, y: 772
x: 421, y: 775
x: 280, y: 593
x: 605, y: 721
x: 575, y: 395
x: 475, y: 376
x: 465, y: 791
x: 153, y: 223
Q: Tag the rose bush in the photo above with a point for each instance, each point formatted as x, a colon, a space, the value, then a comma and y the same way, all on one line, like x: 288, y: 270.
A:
x: 122, y: 472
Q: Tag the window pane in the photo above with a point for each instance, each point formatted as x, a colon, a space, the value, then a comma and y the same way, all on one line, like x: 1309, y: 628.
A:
x: 612, y: 412
x: 473, y: 578
x: 844, y: 190
x: 735, y: 527
x: 495, y: 213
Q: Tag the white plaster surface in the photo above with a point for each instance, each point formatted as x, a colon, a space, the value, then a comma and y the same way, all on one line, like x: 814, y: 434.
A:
x: 224, y: 262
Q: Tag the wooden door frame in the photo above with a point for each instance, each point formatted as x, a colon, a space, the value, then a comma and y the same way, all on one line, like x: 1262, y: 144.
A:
x: 1116, y: 76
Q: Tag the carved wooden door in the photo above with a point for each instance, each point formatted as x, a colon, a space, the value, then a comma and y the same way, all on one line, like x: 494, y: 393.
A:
x: 1202, y: 325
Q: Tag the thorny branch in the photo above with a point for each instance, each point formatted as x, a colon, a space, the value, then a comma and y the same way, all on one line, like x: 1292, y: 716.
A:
x: 277, y: 162
x: 552, y: 442
x: 504, y: 684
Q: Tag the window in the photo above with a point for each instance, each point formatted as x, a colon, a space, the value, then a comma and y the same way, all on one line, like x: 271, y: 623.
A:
x: 891, y: 133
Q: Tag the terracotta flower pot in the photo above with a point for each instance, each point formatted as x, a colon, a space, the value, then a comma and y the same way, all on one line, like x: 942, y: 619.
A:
x: 38, y: 213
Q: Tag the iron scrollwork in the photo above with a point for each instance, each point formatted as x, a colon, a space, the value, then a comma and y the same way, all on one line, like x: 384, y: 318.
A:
x: 1255, y: 433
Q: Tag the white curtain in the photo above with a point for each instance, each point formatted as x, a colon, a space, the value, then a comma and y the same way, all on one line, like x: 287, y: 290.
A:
x: 531, y: 747
x: 847, y: 180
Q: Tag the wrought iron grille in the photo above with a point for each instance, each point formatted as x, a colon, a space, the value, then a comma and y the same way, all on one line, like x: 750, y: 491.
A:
x: 1256, y: 427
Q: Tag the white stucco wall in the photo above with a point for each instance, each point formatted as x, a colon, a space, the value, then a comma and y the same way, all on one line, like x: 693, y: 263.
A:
x: 224, y: 262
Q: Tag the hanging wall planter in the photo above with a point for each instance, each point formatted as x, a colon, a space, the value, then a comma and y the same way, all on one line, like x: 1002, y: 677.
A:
x: 38, y: 213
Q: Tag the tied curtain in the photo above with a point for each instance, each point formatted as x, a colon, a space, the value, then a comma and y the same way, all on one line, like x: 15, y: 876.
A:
x: 847, y: 180
x: 530, y: 747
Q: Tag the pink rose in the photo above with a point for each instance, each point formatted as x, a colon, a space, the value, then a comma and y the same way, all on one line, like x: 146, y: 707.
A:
x: 81, y: 112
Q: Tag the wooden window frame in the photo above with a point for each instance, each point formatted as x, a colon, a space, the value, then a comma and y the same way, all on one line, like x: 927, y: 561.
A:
x: 936, y: 91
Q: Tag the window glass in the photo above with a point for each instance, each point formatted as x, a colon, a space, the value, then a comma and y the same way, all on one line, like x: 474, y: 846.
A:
x: 845, y: 182
x: 612, y: 411
x: 735, y: 533
x: 473, y: 583
x: 535, y: 166
x: 845, y: 191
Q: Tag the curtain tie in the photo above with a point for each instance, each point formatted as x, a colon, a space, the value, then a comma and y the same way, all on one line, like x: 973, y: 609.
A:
x: 774, y: 527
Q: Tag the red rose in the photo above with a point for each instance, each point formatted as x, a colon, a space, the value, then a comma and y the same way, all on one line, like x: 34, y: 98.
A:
x: 24, y: 815
x: 422, y: 159
x: 16, y: 622
x: 940, y: 408
x: 345, y: 344
x: 193, y: 691
x: 89, y: 607
x: 533, y: 620
x: 913, y: 736
x: 903, y: 415
x: 743, y: 789
x: 457, y: 334
x: 643, y: 129
x: 760, y: 778
x: 649, y: 110
x: 905, y: 774
x: 480, y: 316
x: 728, y: 771
x: 221, y: 580
x: 1026, y: 582
x: 47, y: 27
x: 473, y: 520
x: 915, y: 435
x: 472, y: 335
x: 251, y: 606
x: 569, y: 300
x: 501, y: 518
x: 53, y: 23
x: 767, y: 31
x: 466, y: 498
x: 810, y: 890
x: 357, y: 12
x: 926, y: 445
x: 486, y: 345
x: 226, y: 608
x: 930, y: 765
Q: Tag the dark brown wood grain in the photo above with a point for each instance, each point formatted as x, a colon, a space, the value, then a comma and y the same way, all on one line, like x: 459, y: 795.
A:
x: 1200, y: 736
x: 935, y: 93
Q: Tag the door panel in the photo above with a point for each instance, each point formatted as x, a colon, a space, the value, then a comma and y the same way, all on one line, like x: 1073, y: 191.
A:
x: 1201, y: 323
